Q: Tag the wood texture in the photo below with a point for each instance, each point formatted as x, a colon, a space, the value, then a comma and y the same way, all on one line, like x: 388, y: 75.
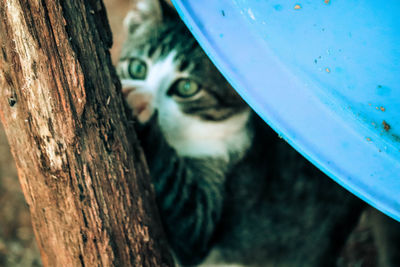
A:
x: 79, y: 163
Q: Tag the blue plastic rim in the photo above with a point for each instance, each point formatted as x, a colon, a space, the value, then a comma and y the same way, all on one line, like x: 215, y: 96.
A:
x: 325, y: 75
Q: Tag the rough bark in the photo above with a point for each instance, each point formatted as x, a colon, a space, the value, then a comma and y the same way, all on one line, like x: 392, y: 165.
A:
x: 83, y: 177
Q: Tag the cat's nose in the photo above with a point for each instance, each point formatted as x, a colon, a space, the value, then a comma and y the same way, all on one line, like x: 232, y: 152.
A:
x: 139, y: 99
x: 140, y: 103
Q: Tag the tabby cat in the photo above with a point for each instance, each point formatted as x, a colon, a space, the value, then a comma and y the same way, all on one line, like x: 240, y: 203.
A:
x: 229, y: 191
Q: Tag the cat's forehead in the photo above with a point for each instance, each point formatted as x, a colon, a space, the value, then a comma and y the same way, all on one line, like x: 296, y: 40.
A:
x: 156, y: 41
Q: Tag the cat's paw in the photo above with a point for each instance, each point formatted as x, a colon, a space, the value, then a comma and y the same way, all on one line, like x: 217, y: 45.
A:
x: 138, y: 101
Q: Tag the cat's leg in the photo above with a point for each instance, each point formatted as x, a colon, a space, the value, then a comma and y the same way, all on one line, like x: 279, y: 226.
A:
x: 386, y: 232
x: 189, y: 193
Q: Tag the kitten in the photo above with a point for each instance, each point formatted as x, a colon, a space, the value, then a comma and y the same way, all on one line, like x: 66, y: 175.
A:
x: 229, y: 191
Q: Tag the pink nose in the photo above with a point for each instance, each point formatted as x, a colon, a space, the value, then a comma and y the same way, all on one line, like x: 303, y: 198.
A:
x: 139, y: 102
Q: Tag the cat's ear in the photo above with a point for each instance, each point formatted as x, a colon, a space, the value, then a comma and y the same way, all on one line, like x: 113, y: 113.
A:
x: 143, y: 12
x: 150, y: 12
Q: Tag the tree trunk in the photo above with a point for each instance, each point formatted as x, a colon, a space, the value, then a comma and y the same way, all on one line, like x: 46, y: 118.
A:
x: 81, y: 170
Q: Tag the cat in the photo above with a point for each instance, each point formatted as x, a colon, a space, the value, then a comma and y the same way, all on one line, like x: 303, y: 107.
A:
x: 228, y: 189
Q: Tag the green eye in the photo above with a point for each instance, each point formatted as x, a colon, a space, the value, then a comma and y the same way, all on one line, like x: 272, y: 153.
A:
x: 185, y: 88
x: 137, y: 69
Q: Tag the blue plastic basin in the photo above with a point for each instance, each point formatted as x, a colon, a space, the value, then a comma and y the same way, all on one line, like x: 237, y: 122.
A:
x: 325, y: 75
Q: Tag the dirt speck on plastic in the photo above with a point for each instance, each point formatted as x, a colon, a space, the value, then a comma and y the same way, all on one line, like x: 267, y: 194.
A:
x: 383, y: 109
x: 386, y: 126
x: 297, y: 6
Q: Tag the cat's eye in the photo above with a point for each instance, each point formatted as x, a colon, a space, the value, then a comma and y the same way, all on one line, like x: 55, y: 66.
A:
x: 137, y: 69
x: 185, y: 88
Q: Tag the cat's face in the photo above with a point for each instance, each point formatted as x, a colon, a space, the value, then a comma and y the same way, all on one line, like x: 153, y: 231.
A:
x: 163, y: 71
